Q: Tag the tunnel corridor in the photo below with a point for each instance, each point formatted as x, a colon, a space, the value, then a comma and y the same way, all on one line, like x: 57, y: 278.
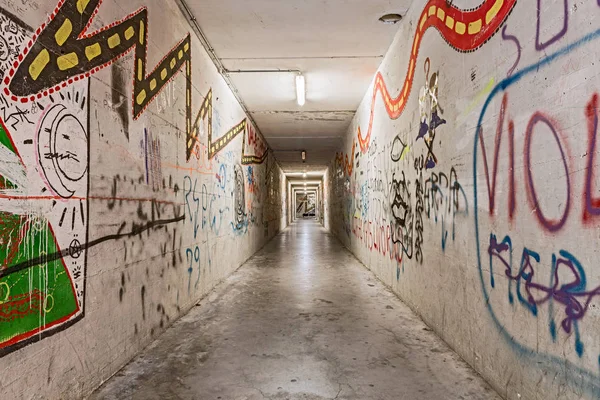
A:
x: 296, y: 200
x: 302, y: 319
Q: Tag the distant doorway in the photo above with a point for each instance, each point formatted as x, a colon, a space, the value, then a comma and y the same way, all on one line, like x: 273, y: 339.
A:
x: 306, y: 205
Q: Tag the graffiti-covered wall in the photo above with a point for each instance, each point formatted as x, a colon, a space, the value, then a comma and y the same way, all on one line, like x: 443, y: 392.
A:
x: 131, y: 183
x: 468, y: 184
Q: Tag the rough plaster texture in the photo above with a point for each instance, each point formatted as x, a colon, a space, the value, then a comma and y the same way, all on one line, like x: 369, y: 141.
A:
x: 471, y: 188
x: 301, y: 320
x: 113, y: 226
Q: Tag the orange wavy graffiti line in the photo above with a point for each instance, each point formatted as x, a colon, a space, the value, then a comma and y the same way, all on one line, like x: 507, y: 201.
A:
x: 463, y: 30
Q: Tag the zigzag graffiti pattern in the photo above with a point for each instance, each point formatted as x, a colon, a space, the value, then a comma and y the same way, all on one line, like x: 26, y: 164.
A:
x: 62, y: 52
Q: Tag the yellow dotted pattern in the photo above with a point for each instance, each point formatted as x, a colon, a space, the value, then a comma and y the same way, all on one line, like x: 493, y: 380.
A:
x: 63, y: 33
x: 114, y: 41
x: 473, y: 27
x: 93, y: 51
x: 145, y: 87
x: 204, y: 112
x: 81, y: 5
x: 160, y: 76
x: 129, y: 32
x: 141, y: 97
x: 492, y: 12
x: 67, y: 61
x: 215, y: 147
x: 223, y: 141
x: 89, y: 53
x: 38, y: 64
x: 142, y: 32
x: 395, y: 106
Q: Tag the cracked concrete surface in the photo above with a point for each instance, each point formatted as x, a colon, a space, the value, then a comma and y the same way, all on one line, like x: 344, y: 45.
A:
x: 302, y: 319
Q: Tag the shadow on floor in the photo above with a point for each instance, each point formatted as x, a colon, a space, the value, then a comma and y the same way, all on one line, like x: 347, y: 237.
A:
x: 302, y: 319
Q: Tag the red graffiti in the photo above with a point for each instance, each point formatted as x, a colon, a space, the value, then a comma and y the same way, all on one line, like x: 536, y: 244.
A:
x: 511, y: 159
x: 590, y: 203
x: 21, y: 305
x: 378, y: 237
x: 344, y: 162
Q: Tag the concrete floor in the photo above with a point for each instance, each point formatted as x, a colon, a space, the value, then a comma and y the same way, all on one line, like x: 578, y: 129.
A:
x: 302, y: 319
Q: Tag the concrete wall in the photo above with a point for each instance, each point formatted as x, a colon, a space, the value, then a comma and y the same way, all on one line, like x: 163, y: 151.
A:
x: 471, y: 187
x: 131, y: 183
x: 327, y: 199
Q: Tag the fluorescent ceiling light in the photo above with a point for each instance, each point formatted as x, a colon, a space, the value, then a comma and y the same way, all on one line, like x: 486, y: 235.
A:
x: 300, y: 90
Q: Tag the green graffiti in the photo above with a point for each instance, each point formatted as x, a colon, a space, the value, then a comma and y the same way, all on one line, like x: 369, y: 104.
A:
x: 33, y: 299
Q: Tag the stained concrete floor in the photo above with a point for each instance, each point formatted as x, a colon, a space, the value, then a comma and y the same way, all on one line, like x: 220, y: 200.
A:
x: 302, y: 319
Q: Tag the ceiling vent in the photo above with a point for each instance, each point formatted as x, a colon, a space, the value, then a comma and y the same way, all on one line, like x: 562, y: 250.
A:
x: 390, y: 18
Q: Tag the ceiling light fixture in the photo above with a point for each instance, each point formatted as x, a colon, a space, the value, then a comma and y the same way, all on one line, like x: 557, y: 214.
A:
x: 304, y: 175
x: 300, y: 90
x: 390, y: 18
x: 303, y: 156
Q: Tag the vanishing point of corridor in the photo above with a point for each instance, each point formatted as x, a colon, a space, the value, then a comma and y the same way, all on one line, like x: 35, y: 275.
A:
x: 302, y: 319
x: 295, y: 200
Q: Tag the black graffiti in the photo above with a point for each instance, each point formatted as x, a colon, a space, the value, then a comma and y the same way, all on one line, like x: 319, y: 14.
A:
x: 444, y: 199
x: 239, y: 198
x: 68, y: 155
x: 402, y: 214
x: 419, y: 218
x: 398, y: 148
x: 436, y: 188
x: 113, y: 193
x: 135, y: 230
x: 15, y: 117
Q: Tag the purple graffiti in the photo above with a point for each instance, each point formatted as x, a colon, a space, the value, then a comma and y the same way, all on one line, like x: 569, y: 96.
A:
x: 565, y: 268
x: 542, y: 45
x: 550, y: 225
x: 513, y: 39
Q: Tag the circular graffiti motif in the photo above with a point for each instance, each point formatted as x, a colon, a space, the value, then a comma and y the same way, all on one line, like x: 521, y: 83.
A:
x: 239, y: 197
x: 75, y: 249
x: 4, y: 49
x: 62, y: 150
x: 48, y: 303
x: 4, y: 292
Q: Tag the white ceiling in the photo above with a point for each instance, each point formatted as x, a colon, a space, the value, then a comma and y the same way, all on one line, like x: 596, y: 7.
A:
x: 337, y: 44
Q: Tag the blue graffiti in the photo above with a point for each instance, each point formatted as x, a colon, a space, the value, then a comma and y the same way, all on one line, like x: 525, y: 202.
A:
x: 209, y: 215
x: 222, y: 176
x: 444, y: 235
x: 250, y: 176
x: 193, y: 257
x: 577, y: 376
x: 241, y: 228
x: 573, y: 295
x: 190, y: 211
